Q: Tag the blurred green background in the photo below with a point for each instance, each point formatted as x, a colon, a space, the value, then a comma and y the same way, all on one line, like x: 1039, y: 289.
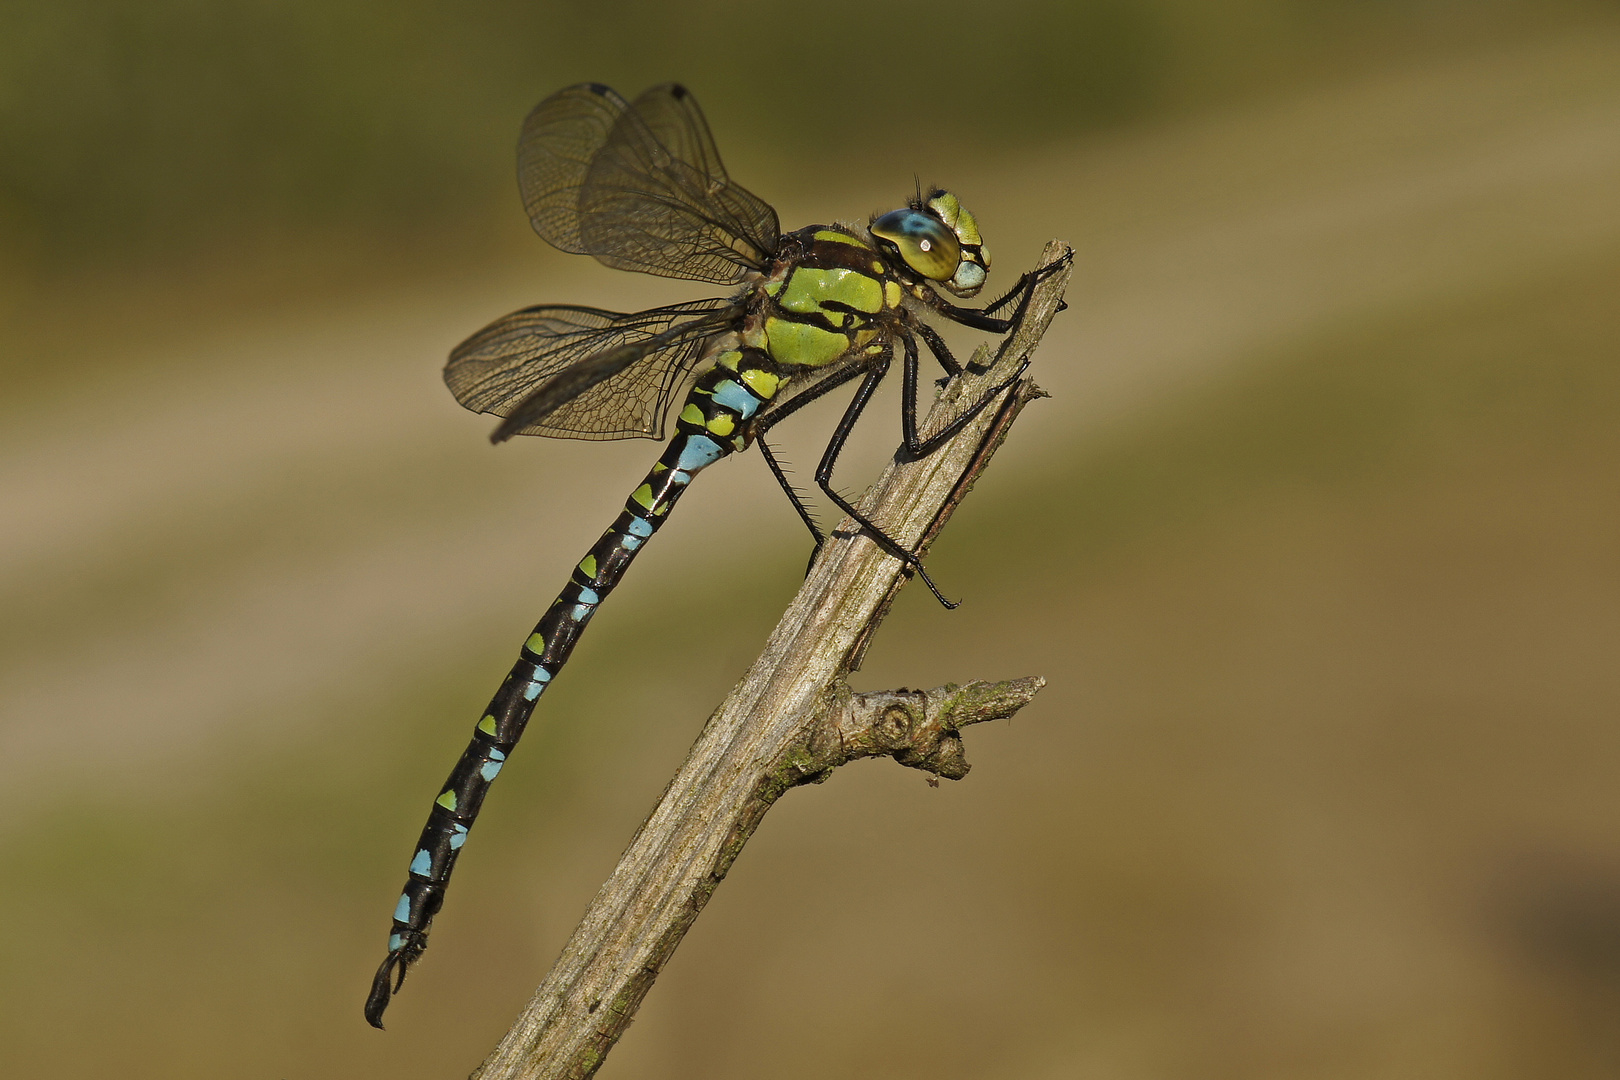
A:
x: 1318, y: 543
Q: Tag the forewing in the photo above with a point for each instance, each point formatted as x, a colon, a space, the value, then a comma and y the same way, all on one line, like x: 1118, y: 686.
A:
x: 593, y: 374
x: 561, y: 136
x: 641, y: 187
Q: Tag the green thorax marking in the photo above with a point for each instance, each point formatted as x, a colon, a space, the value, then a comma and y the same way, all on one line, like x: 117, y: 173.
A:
x: 823, y: 298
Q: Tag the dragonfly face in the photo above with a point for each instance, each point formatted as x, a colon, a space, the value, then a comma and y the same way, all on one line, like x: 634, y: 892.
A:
x: 936, y: 238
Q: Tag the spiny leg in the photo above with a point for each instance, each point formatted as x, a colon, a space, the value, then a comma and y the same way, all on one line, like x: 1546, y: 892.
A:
x: 1026, y: 280
x: 792, y: 493
x: 936, y: 345
x: 951, y: 364
x: 829, y: 460
x: 916, y: 446
x: 764, y: 426
x: 1029, y: 279
x: 980, y: 318
x: 921, y: 448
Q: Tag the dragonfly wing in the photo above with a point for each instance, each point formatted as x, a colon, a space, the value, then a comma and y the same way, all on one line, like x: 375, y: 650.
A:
x: 561, y: 136
x: 584, y: 373
x: 640, y: 186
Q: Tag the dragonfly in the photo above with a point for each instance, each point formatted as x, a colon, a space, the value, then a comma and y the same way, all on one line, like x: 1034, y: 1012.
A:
x: 640, y: 186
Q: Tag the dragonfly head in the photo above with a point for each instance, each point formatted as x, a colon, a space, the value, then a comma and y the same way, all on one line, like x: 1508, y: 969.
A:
x: 937, y: 238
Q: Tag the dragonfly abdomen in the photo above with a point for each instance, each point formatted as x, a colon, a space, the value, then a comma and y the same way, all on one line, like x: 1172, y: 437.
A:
x: 712, y: 424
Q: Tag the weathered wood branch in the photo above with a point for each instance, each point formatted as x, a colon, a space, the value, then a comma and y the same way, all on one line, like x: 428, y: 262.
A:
x: 790, y: 721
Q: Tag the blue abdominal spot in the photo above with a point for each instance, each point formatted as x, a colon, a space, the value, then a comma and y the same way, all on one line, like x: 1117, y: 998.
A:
x: 700, y: 450
x: 537, y: 682
x: 734, y: 397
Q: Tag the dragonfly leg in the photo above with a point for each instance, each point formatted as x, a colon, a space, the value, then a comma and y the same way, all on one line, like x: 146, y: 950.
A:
x: 791, y: 491
x: 981, y: 318
x: 918, y: 447
x: 1025, y: 281
x: 829, y: 461
x: 762, y: 428
x: 937, y: 346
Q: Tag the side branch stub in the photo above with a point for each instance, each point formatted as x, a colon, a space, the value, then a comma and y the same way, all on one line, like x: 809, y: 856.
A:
x: 917, y: 728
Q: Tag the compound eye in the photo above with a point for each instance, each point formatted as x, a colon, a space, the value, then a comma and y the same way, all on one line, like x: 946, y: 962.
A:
x: 926, y: 244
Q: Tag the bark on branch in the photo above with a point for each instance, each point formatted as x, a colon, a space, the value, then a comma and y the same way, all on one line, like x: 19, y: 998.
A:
x: 790, y: 721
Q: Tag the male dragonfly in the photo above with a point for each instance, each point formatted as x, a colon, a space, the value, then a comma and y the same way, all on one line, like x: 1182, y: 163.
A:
x: 639, y: 186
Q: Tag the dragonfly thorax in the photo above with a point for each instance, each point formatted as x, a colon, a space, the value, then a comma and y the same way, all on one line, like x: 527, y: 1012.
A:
x: 827, y: 293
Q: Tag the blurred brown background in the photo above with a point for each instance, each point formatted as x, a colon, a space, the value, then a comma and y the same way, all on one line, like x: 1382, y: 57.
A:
x: 1318, y: 543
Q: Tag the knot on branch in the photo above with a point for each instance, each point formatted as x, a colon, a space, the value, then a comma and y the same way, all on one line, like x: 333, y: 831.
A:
x: 918, y: 728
